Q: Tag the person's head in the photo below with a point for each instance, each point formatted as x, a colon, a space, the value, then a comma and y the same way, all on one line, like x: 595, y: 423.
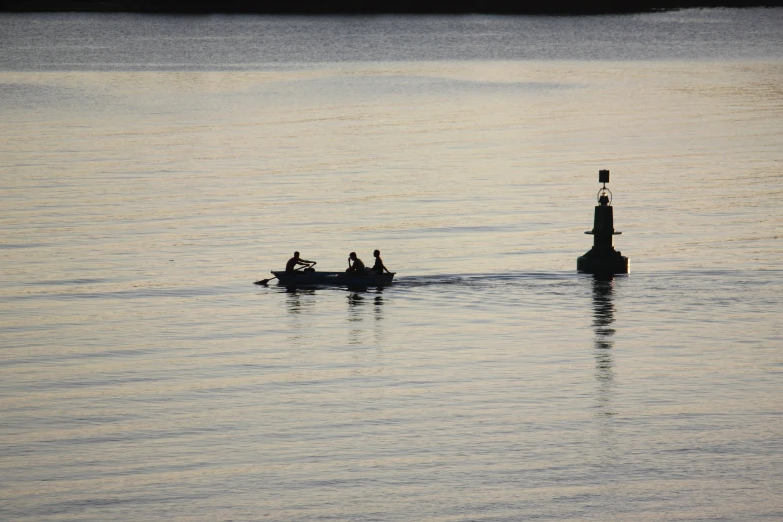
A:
x: 352, y: 255
x: 296, y: 255
x: 377, y: 253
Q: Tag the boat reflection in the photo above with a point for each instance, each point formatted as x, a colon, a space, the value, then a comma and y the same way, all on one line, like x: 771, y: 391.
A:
x: 294, y: 302
x: 355, y: 300
x: 358, y: 298
x: 357, y: 303
x: 301, y: 302
x: 300, y: 305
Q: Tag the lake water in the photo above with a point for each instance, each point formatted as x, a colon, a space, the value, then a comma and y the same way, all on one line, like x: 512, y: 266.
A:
x: 154, y: 167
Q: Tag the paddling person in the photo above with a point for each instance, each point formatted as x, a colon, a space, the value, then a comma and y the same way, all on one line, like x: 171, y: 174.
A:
x: 357, y: 267
x: 378, y: 267
x: 290, y: 267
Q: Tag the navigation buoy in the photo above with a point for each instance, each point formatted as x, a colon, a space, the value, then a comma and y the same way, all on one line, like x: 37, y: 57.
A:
x: 603, y: 258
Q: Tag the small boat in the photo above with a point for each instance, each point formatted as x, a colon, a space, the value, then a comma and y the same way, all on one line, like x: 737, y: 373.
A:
x: 313, y: 278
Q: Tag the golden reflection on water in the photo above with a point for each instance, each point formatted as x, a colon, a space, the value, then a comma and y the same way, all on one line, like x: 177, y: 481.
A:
x: 139, y: 207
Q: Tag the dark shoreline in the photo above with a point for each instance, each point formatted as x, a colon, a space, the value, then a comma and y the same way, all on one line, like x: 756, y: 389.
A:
x: 310, y: 7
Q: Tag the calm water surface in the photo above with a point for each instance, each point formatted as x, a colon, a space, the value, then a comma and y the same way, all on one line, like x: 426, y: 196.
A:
x: 154, y: 167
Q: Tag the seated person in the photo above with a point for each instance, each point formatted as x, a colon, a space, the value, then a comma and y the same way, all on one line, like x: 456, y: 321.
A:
x: 357, y: 267
x: 378, y: 267
x: 290, y: 267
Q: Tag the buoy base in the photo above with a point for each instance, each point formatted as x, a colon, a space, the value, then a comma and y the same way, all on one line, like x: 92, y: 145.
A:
x: 616, y: 264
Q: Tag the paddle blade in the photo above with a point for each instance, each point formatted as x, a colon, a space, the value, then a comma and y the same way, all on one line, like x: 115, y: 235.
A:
x: 263, y: 281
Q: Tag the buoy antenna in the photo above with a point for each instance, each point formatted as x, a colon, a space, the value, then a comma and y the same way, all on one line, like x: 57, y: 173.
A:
x: 604, y: 195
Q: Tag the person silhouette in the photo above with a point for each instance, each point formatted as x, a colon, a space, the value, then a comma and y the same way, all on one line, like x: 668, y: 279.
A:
x: 357, y: 267
x: 378, y: 267
x: 290, y: 267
